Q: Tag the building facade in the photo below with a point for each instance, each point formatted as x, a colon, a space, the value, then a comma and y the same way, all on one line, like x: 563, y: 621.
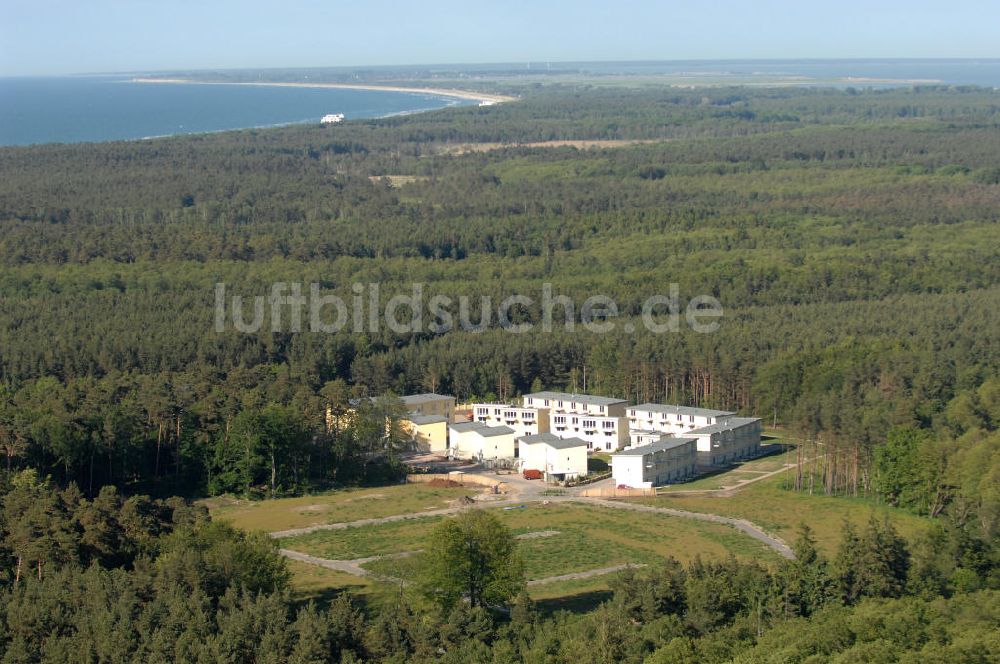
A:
x: 730, y: 440
x: 478, y: 441
x: 599, y: 421
x: 558, y: 459
x: 639, y: 437
x: 523, y: 420
x: 430, y: 404
x: 676, y: 420
x: 653, y: 464
x: 428, y: 432
x: 582, y: 404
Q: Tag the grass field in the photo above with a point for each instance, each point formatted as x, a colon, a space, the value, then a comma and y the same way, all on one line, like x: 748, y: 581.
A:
x: 780, y: 511
x: 747, y: 470
x: 588, y: 538
x: 333, y: 507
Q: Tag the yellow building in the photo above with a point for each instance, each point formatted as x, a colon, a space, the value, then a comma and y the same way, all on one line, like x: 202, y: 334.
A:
x: 429, y: 432
x: 430, y: 404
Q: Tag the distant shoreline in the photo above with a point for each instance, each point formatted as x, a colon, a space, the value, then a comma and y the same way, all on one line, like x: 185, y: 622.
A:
x: 440, y: 92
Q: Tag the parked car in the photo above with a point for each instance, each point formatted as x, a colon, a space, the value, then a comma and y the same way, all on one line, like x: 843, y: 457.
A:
x: 531, y: 474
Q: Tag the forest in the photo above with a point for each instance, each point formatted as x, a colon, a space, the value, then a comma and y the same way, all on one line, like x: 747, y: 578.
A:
x: 118, y: 579
x: 851, y: 237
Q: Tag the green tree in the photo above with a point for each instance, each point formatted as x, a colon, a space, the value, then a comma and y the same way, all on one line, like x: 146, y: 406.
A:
x: 806, y: 581
x: 472, y: 555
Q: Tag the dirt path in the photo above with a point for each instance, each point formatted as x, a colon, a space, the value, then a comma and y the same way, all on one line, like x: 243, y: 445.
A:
x: 600, y: 571
x: 744, y: 526
x: 732, y: 490
x: 445, y: 511
x: 354, y: 567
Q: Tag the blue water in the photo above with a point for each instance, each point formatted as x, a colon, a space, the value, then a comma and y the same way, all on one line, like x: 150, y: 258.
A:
x: 102, y: 108
x: 80, y: 109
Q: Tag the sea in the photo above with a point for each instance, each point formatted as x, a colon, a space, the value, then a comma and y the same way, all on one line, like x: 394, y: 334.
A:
x: 78, y: 109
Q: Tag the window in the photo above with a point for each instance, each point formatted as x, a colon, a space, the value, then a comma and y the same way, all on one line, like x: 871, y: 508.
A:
x: 610, y: 424
x: 690, y: 418
x: 589, y: 424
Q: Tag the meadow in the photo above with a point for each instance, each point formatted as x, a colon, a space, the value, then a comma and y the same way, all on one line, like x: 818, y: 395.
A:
x: 780, y: 511
x: 333, y: 507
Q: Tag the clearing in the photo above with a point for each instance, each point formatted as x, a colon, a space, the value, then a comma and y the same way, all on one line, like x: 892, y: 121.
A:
x: 335, y: 506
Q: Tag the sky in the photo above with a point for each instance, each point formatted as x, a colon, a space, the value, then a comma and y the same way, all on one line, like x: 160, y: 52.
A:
x: 86, y: 36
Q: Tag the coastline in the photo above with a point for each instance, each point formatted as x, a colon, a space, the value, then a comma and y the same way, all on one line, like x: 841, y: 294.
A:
x: 440, y: 92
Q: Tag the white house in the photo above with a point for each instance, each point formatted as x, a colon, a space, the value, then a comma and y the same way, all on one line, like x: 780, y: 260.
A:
x: 557, y: 458
x: 666, y: 460
x: 675, y: 420
x: 600, y: 421
x: 524, y: 421
x: 332, y: 118
x: 478, y: 441
x: 639, y: 437
x: 601, y: 433
x: 582, y: 404
x: 729, y: 440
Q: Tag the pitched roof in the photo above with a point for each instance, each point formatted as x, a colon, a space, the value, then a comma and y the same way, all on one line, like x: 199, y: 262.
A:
x: 680, y: 410
x: 495, y: 431
x: 577, y: 398
x: 463, y: 427
x: 652, y: 448
x: 414, y: 399
x: 727, y: 424
x: 426, y: 419
x: 482, y: 428
x: 552, y: 441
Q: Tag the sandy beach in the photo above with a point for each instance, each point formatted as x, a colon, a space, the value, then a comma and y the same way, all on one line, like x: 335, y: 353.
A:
x: 441, y: 92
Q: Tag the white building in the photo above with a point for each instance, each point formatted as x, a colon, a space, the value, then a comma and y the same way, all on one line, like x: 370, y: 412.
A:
x: 524, y: 421
x: 729, y: 440
x: 666, y: 460
x: 600, y: 421
x: 557, y: 458
x: 480, y: 442
x: 582, y: 404
x: 603, y: 434
x: 639, y: 437
x: 676, y: 420
x: 332, y: 118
